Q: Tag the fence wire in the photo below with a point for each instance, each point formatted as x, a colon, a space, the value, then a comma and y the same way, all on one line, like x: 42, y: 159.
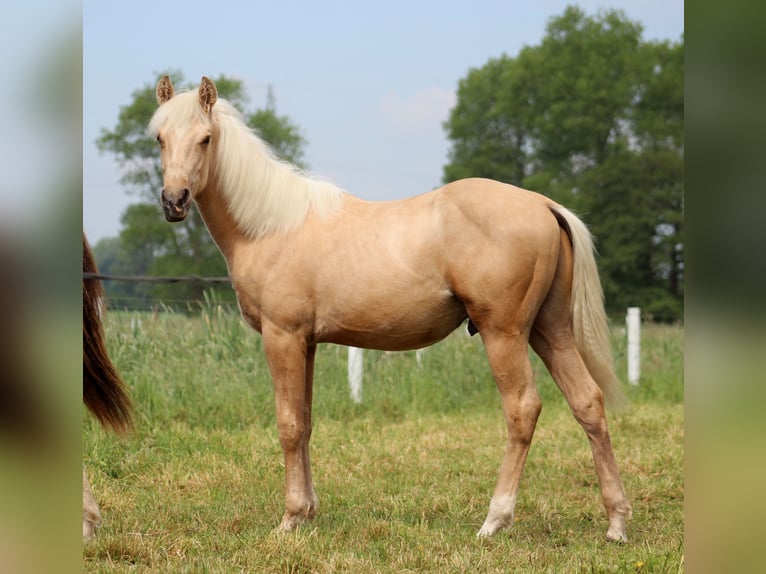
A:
x: 155, y: 279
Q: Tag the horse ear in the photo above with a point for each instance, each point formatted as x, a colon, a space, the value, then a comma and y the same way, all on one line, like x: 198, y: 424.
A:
x: 208, y: 94
x: 165, y: 90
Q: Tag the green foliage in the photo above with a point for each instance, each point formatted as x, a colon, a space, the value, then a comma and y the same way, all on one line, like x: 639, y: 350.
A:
x: 488, y: 141
x: 639, y: 236
x: 593, y: 118
x: 147, y: 244
x: 658, y: 116
x: 587, y: 70
x: 284, y: 137
x: 113, y: 259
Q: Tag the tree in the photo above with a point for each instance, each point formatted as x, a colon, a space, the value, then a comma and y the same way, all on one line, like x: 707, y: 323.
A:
x: 487, y: 140
x: 593, y: 118
x: 148, y: 244
x: 114, y: 260
x: 284, y: 138
x: 635, y: 212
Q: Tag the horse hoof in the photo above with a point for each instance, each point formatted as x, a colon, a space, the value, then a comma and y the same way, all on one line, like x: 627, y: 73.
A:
x: 616, y: 536
x: 88, y: 530
x: 288, y: 524
x: 492, y: 527
x: 484, y: 533
x: 292, y: 521
x: 616, y: 530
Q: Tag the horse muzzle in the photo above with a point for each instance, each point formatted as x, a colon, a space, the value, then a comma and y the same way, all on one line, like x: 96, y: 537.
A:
x: 176, y: 204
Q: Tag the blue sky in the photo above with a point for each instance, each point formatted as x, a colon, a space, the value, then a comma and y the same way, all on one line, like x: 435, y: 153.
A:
x: 369, y: 84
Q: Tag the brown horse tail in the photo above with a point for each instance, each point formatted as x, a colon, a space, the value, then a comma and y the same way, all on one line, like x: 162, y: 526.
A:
x: 589, y: 321
x: 103, y: 391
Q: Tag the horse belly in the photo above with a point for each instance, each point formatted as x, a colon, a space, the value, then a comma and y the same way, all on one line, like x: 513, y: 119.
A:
x: 393, y: 324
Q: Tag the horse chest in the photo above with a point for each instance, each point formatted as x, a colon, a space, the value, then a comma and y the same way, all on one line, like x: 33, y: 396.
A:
x: 250, y: 310
x: 289, y: 310
x: 251, y: 318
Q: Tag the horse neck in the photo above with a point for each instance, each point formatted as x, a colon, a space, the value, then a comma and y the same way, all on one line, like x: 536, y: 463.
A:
x: 220, y: 224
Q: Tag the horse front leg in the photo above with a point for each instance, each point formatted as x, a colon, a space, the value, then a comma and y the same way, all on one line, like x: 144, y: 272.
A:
x: 90, y: 514
x: 291, y: 362
x: 308, y: 425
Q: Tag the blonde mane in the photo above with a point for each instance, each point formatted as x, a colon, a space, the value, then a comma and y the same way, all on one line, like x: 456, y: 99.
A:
x: 264, y: 194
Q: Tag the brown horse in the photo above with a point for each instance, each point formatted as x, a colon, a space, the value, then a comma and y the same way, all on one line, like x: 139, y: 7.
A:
x: 311, y: 264
x: 103, y: 391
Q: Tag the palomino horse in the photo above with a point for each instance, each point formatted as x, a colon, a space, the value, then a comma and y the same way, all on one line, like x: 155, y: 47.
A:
x: 103, y: 391
x: 311, y: 264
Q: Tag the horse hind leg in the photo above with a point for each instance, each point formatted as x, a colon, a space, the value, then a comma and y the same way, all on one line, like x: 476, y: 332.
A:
x: 509, y: 360
x: 553, y: 340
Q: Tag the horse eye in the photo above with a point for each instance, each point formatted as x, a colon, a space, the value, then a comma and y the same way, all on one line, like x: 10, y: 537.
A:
x: 205, y: 141
x: 159, y: 140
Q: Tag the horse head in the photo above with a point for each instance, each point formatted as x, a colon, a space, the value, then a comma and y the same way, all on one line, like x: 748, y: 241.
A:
x: 185, y: 132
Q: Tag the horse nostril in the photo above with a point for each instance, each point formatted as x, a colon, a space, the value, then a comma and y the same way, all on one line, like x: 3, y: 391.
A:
x: 167, y: 200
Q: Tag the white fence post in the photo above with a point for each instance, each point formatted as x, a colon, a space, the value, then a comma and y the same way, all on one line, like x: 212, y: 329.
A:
x: 355, y: 366
x: 633, y: 323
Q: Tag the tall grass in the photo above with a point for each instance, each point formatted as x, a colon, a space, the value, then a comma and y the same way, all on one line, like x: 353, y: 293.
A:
x: 404, y: 478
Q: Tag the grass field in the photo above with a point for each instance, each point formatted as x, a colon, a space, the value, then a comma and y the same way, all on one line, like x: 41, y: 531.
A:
x: 404, y: 479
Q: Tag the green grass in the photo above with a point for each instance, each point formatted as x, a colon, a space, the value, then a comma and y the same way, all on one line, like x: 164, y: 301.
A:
x: 404, y: 479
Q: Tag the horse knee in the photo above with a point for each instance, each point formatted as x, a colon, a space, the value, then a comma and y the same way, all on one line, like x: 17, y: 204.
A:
x: 292, y: 434
x: 522, y: 417
x: 531, y: 407
x: 533, y: 403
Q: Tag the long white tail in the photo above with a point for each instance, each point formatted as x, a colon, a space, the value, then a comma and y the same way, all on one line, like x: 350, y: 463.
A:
x: 589, y: 320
